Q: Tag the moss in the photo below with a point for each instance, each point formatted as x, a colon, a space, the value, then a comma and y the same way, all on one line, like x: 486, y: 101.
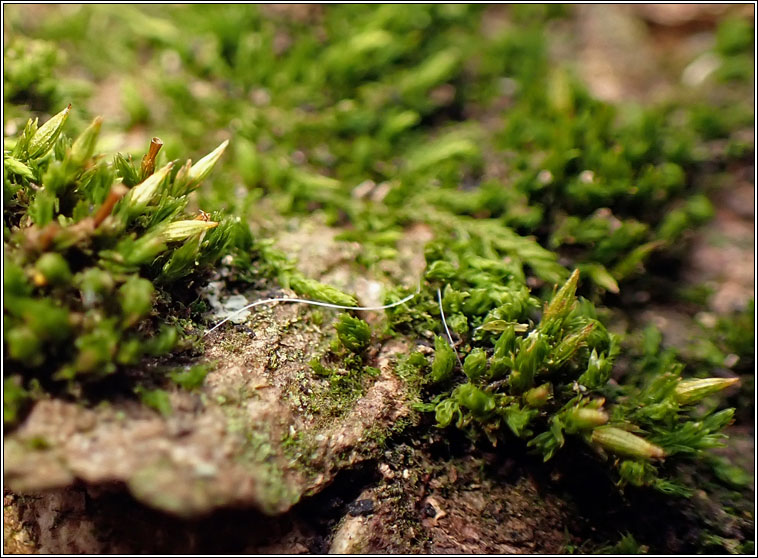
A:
x: 15, y: 398
x: 377, y: 121
x: 302, y: 449
x: 156, y: 399
x: 93, y: 253
x: 491, y: 394
x: 334, y: 395
x: 370, y: 137
x: 277, y: 490
x: 235, y: 342
x: 192, y: 377
x: 353, y: 333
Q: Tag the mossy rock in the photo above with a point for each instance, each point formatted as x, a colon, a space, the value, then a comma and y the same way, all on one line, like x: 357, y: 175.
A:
x: 252, y: 435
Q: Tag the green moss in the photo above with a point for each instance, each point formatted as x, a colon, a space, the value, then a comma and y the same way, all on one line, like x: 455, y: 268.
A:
x: 191, y: 377
x: 572, y: 353
x: 156, y: 399
x: 123, y: 240
x: 261, y: 457
x: 373, y: 122
x: 341, y: 386
x: 234, y: 342
x: 353, y: 333
x: 380, y: 121
x: 301, y: 448
x: 14, y: 399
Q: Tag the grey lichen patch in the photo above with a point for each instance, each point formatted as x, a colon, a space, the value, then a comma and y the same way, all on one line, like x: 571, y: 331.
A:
x: 240, y: 439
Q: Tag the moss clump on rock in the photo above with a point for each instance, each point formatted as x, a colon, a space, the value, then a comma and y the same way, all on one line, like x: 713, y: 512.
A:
x: 548, y: 217
x: 95, y: 250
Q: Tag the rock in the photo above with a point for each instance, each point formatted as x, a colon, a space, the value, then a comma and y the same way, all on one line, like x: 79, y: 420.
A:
x: 361, y: 507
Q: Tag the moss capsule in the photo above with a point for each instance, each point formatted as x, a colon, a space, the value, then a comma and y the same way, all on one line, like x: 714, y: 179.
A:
x: 584, y: 419
x: 84, y: 146
x: 625, y: 443
x: 204, y: 166
x: 537, y: 397
x: 44, y: 138
x: 691, y: 391
x: 181, y: 230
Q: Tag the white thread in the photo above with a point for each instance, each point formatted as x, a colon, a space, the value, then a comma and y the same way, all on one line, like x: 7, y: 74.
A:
x: 444, y: 322
x: 313, y: 303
